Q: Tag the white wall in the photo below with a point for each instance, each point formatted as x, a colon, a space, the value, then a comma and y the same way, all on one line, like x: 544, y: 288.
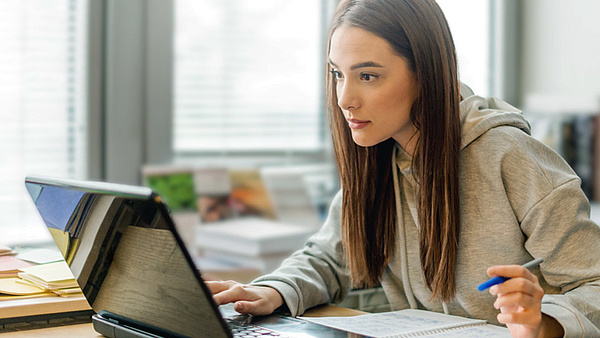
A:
x: 560, y: 48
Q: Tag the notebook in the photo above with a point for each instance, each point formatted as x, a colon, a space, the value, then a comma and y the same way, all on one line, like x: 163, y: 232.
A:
x: 124, y: 250
x: 413, y: 323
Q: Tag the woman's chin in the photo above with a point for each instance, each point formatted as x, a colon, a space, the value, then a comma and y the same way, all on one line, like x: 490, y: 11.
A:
x: 362, y: 142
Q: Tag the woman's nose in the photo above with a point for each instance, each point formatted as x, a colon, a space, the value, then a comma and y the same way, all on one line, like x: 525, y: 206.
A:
x: 347, y: 97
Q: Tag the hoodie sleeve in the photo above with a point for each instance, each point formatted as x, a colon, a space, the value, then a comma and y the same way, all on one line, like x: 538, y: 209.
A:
x: 558, y: 228
x: 315, y: 274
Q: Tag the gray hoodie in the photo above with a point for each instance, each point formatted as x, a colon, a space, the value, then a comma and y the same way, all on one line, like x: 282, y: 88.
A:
x: 519, y: 200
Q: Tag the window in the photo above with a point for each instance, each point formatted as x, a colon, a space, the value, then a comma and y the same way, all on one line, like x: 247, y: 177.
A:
x: 470, y: 24
x: 42, y: 102
x: 248, y: 76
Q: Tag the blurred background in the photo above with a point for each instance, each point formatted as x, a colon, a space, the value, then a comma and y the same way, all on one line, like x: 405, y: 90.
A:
x: 101, y: 89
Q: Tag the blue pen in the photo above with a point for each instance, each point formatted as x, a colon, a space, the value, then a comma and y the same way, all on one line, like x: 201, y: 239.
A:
x: 497, y: 280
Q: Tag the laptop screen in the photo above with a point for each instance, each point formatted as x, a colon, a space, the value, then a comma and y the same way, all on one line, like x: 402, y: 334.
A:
x: 122, y: 248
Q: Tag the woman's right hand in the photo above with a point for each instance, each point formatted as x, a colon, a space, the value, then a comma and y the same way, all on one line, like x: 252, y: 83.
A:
x: 248, y: 299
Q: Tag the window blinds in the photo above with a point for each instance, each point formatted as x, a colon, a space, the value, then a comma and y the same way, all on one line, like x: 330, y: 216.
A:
x: 41, y: 104
x: 248, y: 76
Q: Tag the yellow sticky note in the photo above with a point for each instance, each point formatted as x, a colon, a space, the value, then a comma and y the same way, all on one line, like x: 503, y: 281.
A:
x: 52, y: 272
x: 11, y: 286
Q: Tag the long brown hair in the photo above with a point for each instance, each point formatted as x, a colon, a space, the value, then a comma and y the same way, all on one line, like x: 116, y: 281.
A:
x: 418, y: 32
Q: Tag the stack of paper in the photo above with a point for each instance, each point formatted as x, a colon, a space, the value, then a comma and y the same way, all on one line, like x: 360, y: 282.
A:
x: 5, y: 250
x: 9, y: 266
x: 55, y: 277
x: 35, y: 273
x: 12, y: 288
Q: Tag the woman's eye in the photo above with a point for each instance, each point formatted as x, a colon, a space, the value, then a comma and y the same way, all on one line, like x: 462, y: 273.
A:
x: 336, y: 74
x: 367, y: 77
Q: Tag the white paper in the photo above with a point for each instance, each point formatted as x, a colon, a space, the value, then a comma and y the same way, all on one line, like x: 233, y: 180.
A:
x: 396, y: 323
x: 40, y: 256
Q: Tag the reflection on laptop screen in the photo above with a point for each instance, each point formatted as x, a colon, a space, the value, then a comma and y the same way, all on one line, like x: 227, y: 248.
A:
x: 122, y: 249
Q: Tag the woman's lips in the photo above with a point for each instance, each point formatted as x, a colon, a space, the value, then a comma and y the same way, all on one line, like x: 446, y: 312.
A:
x: 357, y: 124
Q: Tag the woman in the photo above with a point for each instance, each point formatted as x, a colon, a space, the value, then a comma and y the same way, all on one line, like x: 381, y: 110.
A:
x: 435, y: 190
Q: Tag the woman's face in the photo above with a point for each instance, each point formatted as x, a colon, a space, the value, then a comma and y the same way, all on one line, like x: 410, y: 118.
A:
x: 375, y: 87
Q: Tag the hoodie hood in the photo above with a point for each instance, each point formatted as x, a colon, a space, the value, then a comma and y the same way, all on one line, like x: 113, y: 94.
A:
x: 478, y: 115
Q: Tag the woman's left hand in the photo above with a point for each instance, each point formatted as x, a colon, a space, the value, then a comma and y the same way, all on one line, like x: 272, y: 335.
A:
x: 520, y: 303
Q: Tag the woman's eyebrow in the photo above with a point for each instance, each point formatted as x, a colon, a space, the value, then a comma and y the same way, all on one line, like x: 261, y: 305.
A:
x: 365, y: 64
x: 360, y: 64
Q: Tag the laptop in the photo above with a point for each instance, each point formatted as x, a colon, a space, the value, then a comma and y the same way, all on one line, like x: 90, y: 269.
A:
x: 123, y: 248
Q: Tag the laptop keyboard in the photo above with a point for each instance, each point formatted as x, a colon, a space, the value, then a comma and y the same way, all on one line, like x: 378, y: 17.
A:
x: 243, y: 329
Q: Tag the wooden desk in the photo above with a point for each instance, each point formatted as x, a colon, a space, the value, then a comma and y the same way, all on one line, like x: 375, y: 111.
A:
x: 41, y: 306
x: 86, y: 329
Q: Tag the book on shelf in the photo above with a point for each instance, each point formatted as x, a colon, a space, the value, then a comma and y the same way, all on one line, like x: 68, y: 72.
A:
x: 224, y: 193
x: 576, y: 147
x: 212, y: 187
x: 570, y: 125
x: 249, y: 196
x: 574, y: 136
x: 291, y: 199
x: 252, y: 236
x: 175, y: 184
x: 412, y: 323
x: 221, y: 193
